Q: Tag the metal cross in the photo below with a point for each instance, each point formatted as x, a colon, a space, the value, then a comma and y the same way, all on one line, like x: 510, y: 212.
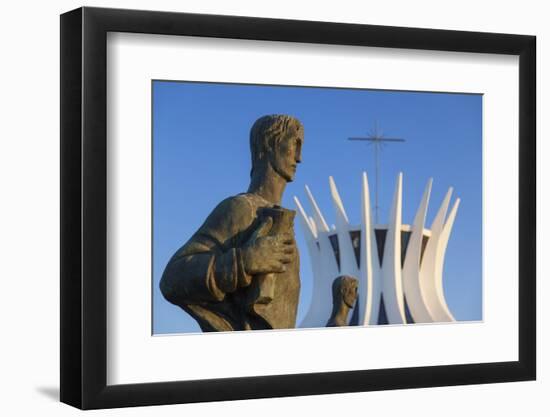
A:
x: 377, y: 139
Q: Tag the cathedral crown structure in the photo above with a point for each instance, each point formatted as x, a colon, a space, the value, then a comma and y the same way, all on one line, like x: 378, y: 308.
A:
x: 399, y: 266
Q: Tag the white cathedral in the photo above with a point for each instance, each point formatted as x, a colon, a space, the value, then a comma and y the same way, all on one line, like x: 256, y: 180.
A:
x: 399, y: 267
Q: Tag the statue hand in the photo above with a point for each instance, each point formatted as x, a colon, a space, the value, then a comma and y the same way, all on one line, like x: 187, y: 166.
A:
x: 264, y: 254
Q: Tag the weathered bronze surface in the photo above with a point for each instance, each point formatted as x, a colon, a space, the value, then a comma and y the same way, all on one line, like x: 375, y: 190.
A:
x: 344, y: 295
x: 240, y: 270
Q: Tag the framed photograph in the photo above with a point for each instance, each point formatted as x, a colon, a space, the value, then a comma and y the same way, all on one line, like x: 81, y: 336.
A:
x: 256, y: 208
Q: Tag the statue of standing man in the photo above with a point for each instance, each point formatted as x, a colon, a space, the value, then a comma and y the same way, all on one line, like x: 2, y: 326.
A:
x: 240, y: 270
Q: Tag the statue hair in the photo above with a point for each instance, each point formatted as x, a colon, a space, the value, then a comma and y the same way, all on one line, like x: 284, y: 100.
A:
x: 337, y: 290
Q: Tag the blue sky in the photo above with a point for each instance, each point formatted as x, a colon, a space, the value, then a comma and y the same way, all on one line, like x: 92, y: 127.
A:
x: 201, y: 156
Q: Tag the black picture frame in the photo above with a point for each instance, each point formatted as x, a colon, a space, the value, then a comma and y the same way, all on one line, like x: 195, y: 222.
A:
x: 84, y: 207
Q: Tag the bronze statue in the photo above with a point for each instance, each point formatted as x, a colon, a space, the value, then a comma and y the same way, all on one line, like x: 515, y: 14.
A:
x: 240, y: 270
x: 344, y: 295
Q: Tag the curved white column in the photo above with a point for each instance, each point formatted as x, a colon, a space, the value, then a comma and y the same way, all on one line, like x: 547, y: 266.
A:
x: 348, y: 263
x: 370, y: 285
x: 321, y: 302
x: 310, y: 234
x: 430, y: 262
x: 313, y: 226
x: 441, y: 311
x: 392, y: 287
x: 309, y: 231
x: 411, y: 266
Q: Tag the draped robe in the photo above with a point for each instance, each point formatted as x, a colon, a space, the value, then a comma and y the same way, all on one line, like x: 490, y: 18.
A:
x: 206, y: 277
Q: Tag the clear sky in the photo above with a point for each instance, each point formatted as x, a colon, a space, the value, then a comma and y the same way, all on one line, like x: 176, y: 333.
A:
x: 201, y: 155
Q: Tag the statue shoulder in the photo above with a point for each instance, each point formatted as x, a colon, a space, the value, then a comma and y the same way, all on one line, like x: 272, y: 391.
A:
x: 234, y: 208
x: 229, y: 217
x: 237, y: 202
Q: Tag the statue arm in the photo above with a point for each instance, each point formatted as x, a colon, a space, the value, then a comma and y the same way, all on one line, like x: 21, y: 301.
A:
x: 203, y: 270
x: 196, y: 274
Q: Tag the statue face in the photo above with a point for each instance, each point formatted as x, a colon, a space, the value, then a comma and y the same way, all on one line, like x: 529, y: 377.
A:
x: 287, y: 154
x: 349, y: 291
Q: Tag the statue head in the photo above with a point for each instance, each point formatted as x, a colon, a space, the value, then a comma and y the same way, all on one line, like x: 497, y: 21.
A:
x: 344, y: 289
x: 276, y: 141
